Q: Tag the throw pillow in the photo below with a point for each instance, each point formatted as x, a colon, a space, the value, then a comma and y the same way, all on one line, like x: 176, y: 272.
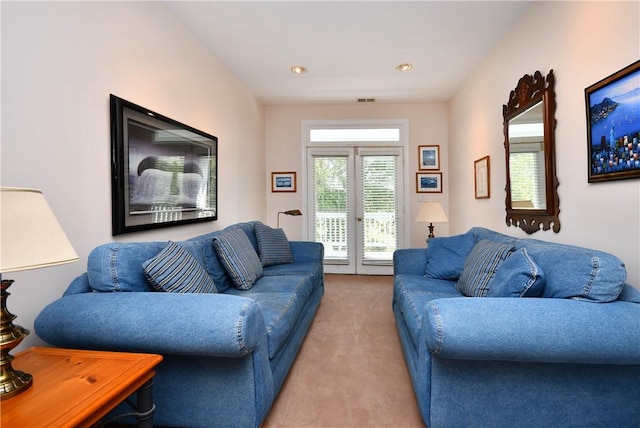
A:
x: 517, y: 276
x: 480, y: 266
x: 238, y: 257
x: 175, y: 270
x: 446, y: 256
x: 273, y: 245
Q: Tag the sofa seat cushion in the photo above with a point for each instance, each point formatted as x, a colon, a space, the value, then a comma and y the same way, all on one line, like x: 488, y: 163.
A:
x: 313, y: 269
x: 411, y: 294
x: 282, y: 299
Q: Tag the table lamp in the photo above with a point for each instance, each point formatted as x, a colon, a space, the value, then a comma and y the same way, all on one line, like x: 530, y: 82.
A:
x: 290, y: 212
x: 431, y: 212
x: 31, y: 238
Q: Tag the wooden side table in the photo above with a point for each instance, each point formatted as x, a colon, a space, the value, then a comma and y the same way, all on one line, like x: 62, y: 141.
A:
x: 73, y: 388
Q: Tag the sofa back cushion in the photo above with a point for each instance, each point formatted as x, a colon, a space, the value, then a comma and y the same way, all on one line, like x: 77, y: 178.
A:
x: 629, y: 294
x: 481, y: 233
x: 570, y: 272
x: 117, y: 266
x: 576, y: 272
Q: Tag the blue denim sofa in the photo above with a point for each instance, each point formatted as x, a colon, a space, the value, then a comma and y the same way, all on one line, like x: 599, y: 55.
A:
x: 565, y: 354
x: 226, y: 355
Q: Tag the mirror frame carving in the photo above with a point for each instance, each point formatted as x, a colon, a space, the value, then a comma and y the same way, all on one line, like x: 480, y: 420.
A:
x: 530, y: 91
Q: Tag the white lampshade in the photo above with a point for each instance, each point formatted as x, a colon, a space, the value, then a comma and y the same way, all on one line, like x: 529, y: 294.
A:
x: 30, y: 234
x: 431, y: 212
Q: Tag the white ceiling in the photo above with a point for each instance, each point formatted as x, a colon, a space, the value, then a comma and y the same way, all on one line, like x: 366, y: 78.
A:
x: 351, y: 48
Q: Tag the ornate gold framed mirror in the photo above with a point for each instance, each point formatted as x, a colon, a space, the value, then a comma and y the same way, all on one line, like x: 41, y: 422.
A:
x: 529, y: 140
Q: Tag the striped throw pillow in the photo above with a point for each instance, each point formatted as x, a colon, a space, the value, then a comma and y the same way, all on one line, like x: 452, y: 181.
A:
x: 239, y: 258
x: 273, y: 245
x: 175, y: 270
x: 480, y: 266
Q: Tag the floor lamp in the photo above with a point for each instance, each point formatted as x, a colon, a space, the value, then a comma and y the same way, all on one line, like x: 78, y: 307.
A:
x: 289, y: 212
x: 31, y: 238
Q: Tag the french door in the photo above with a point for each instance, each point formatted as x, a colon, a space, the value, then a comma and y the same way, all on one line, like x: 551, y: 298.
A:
x: 354, y: 202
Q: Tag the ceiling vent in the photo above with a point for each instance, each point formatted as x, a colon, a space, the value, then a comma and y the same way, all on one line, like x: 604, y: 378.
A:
x: 365, y: 100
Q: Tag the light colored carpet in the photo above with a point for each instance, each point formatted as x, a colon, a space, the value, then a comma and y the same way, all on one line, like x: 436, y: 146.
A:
x: 350, y: 371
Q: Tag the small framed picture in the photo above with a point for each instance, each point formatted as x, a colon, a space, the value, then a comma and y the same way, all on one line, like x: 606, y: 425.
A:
x: 283, y: 181
x: 482, y: 178
x: 429, y: 158
x: 429, y: 182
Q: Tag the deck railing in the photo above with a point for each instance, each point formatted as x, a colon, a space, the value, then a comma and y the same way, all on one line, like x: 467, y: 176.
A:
x: 380, y: 232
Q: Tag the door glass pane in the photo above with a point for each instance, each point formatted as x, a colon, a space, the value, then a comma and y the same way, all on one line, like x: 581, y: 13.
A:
x: 379, y: 207
x: 331, y: 198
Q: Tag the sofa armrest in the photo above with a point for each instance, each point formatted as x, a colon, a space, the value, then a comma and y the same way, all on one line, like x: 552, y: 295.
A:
x: 307, y: 251
x: 166, y: 323
x: 532, y: 330
x: 410, y: 260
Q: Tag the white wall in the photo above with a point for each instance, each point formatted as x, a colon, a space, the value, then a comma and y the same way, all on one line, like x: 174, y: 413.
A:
x: 60, y: 62
x: 583, y: 42
x: 427, y: 126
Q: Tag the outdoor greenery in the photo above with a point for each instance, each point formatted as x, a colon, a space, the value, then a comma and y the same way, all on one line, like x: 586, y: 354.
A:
x: 331, y: 187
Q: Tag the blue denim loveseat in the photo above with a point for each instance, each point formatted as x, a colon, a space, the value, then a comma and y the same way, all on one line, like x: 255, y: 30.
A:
x: 550, y: 338
x: 226, y: 355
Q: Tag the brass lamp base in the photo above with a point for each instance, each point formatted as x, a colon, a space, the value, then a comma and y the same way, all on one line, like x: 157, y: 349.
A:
x: 12, y: 382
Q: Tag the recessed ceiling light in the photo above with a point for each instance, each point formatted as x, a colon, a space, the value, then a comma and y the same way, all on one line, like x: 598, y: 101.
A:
x: 404, y: 67
x: 298, y: 69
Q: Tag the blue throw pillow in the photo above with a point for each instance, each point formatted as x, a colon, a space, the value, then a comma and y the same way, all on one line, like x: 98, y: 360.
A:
x: 239, y: 258
x: 273, y: 245
x: 446, y: 256
x: 175, y: 270
x: 482, y: 263
x: 517, y: 276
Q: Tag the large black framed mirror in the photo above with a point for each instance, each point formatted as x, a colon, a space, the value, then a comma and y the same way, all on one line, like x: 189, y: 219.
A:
x: 529, y: 139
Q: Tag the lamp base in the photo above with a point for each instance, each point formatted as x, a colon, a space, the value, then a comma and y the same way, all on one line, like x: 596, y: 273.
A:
x: 12, y: 382
x: 431, y: 235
